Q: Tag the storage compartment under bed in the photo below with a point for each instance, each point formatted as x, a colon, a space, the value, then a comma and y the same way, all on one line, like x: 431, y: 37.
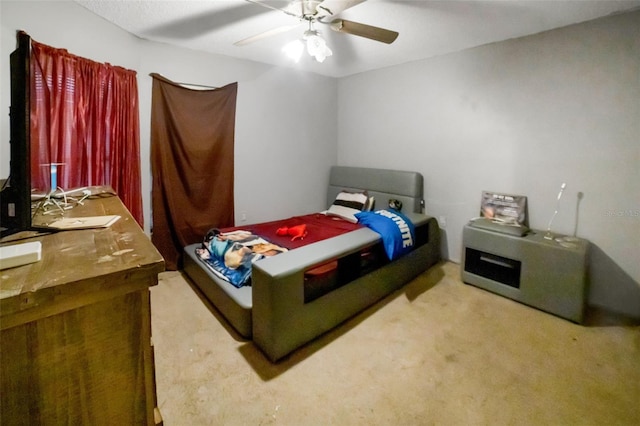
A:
x: 332, y: 275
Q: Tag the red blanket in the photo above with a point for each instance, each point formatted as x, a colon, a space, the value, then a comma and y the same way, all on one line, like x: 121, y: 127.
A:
x: 318, y: 227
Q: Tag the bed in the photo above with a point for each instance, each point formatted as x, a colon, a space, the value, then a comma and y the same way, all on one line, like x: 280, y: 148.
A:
x: 298, y: 295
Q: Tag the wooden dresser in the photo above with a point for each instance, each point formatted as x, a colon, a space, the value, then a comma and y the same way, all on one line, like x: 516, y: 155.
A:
x: 75, y: 342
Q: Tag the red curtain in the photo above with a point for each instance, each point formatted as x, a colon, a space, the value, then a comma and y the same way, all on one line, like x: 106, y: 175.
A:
x: 192, y: 144
x: 84, y: 117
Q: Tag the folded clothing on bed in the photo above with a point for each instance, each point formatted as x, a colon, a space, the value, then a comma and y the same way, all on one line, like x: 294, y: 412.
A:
x: 396, y: 230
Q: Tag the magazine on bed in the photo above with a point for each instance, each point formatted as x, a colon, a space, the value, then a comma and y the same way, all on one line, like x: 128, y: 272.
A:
x: 230, y: 254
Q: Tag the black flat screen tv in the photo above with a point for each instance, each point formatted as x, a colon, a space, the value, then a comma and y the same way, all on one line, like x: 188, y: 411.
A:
x: 15, y: 197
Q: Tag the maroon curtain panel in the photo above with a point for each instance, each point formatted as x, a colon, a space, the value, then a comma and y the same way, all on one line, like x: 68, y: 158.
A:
x: 85, y: 117
x: 192, y: 142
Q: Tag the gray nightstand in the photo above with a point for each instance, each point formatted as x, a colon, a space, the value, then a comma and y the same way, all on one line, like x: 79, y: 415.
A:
x: 550, y: 275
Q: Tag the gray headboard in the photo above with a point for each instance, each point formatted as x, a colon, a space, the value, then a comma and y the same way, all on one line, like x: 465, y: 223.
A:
x: 382, y: 184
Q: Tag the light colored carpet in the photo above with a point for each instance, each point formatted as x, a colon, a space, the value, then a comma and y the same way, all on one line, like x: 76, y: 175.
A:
x: 436, y: 352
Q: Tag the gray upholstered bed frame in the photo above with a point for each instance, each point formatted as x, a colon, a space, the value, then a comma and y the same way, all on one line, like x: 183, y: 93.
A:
x: 273, y: 312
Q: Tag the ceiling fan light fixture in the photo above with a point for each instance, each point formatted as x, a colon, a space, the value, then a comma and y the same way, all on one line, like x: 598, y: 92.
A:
x: 316, y: 46
x: 318, y: 11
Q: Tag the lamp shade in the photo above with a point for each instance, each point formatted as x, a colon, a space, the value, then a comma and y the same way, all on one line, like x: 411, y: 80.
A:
x: 316, y: 46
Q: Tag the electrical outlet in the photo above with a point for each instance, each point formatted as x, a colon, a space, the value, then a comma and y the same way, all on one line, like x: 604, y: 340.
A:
x: 443, y: 221
x: 243, y: 216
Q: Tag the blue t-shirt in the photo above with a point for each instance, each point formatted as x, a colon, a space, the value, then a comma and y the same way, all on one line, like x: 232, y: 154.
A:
x: 397, y: 231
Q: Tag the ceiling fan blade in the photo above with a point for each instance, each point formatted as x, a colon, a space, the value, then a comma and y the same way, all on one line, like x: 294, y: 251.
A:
x: 266, y: 34
x: 333, y: 7
x: 363, y: 30
x: 311, y: 8
x: 268, y: 6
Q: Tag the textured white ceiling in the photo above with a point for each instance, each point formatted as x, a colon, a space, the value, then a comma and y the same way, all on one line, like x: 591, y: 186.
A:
x: 427, y: 28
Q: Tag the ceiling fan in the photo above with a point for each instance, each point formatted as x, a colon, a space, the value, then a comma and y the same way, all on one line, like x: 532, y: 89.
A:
x: 320, y: 11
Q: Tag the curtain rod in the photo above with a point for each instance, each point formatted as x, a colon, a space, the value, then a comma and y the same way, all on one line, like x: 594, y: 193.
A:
x: 197, y: 85
x: 160, y: 77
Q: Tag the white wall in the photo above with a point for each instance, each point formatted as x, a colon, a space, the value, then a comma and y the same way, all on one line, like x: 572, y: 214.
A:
x: 520, y: 116
x: 285, y: 120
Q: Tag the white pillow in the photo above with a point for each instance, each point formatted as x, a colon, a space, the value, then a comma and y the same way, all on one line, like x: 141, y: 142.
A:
x: 347, y: 204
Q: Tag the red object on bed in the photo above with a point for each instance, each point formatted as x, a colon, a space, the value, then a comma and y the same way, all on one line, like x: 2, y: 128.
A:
x: 318, y: 227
